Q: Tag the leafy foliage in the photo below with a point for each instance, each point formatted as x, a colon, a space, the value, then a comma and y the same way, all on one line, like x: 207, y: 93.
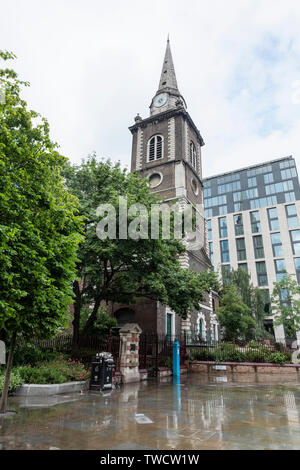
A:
x: 58, y: 371
x: 285, y: 304
x: 102, y: 325
x: 234, y: 314
x: 16, y: 380
x: 39, y: 228
x: 228, y: 352
x: 122, y: 270
x: 251, y: 296
x: 38, y: 225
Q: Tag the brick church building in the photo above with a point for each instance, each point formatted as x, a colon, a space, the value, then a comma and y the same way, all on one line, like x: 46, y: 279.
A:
x: 166, y: 148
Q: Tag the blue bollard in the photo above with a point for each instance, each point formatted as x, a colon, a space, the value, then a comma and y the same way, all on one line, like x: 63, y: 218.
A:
x: 176, y: 359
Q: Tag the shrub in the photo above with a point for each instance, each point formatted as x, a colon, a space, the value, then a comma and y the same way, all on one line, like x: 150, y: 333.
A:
x: 54, y: 372
x: 30, y: 353
x: 278, y: 358
x: 41, y: 375
x: 16, y: 380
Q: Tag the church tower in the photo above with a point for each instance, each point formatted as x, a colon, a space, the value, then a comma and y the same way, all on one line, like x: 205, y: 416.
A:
x: 166, y: 148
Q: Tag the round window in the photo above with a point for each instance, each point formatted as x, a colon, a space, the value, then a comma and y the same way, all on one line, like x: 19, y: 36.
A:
x: 194, y: 186
x: 155, y: 180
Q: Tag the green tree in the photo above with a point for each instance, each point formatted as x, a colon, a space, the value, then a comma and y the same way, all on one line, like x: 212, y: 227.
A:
x: 252, y: 296
x: 285, y: 304
x: 124, y: 270
x: 234, y: 315
x: 39, y: 228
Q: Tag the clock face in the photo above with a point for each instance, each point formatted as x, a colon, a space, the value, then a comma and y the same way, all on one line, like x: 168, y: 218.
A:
x: 160, y: 100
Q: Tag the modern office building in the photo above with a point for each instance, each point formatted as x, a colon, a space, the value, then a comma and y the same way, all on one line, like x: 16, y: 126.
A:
x: 253, y: 219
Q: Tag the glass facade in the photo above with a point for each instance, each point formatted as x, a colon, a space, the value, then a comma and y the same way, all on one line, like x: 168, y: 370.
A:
x: 252, y: 188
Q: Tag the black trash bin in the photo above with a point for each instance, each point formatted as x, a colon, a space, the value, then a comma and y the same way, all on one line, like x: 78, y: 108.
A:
x: 101, y: 371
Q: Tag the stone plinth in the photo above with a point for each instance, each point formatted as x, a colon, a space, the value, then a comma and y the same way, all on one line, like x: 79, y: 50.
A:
x: 129, y: 360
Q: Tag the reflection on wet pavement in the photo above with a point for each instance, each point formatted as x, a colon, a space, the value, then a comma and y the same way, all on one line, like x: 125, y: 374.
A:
x: 196, y: 414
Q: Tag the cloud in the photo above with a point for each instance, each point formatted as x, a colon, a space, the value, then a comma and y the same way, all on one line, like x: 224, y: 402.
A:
x: 93, y: 65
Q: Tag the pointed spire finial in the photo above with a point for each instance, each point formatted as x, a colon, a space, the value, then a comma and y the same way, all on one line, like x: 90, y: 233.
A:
x: 168, y: 77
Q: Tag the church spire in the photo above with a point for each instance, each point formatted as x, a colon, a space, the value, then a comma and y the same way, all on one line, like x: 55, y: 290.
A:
x: 167, y: 95
x: 168, y: 77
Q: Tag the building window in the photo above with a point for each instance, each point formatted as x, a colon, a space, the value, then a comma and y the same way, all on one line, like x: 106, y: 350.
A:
x: 243, y: 266
x: 276, y: 244
x: 229, y: 187
x: 295, y: 238
x: 211, y: 252
x: 261, y: 271
x: 207, y: 192
x: 223, y: 227
x: 260, y: 170
x: 287, y: 164
x: 155, y: 148
x: 222, y: 210
x: 269, y: 178
x: 216, y: 201
x: 246, y: 194
x: 280, y: 269
x: 258, y: 247
x: 252, y: 182
x: 226, y: 273
x: 241, y: 249
x: 267, y: 300
x: 263, y: 202
x: 208, y: 213
x: 193, y: 155
x: 237, y: 206
x: 279, y: 187
x: 228, y: 178
x: 289, y: 173
x: 224, y: 251
x: 209, y: 230
x: 297, y: 268
x: 255, y: 222
x: 291, y: 215
x: 273, y: 219
x: 238, y: 224
x: 290, y: 197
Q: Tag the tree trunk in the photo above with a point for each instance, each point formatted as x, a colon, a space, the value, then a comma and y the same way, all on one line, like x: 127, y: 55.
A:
x: 3, y: 402
x: 92, y: 317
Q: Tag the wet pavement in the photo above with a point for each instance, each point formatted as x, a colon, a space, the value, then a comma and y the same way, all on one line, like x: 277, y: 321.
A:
x: 196, y: 414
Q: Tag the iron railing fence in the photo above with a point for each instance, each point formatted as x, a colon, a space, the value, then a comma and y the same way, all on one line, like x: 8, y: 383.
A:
x: 240, y: 351
x: 87, y: 346
x: 156, y: 350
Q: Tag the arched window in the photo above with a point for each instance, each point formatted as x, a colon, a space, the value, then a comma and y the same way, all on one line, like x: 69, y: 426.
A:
x: 193, y: 155
x: 155, y: 148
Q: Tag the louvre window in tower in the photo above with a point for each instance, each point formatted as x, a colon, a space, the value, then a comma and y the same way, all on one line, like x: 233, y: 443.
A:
x: 155, y: 148
x: 193, y: 155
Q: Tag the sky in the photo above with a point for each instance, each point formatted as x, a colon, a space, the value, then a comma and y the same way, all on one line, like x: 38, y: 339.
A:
x: 93, y: 65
